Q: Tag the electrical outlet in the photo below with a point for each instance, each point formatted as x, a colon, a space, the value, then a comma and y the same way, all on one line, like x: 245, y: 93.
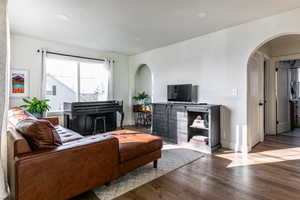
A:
x: 234, y: 92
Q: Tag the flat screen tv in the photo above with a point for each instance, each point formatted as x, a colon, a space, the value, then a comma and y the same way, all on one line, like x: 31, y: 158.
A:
x: 181, y: 93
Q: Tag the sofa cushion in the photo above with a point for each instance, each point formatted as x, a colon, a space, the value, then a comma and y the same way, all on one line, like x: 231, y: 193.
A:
x: 40, y: 134
x: 67, y: 135
x: 133, y: 145
x: 15, y: 115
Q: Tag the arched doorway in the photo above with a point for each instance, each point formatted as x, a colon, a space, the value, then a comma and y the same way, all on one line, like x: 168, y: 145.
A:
x: 268, y: 87
x: 143, y: 80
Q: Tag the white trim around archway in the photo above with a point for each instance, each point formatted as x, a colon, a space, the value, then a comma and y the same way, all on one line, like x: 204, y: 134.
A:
x: 272, y: 61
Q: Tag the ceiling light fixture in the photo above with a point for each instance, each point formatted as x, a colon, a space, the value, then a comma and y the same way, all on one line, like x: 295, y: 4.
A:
x: 63, y: 17
x: 202, y: 15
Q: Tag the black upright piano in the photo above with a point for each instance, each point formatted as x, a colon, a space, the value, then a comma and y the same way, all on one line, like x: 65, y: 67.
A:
x: 89, y: 118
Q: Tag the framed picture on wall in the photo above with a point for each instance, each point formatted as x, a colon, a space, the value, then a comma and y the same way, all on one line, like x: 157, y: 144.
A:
x: 19, y: 83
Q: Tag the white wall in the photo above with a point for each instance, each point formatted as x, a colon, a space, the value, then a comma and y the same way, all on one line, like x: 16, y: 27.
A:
x: 24, y: 56
x: 217, y: 62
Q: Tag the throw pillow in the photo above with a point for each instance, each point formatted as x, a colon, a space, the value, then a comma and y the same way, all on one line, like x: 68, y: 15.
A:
x: 40, y: 134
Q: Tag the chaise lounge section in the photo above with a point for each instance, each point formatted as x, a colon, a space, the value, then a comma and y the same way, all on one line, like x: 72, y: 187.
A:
x: 77, y: 165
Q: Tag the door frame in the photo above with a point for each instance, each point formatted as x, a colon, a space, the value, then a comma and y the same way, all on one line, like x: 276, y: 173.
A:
x: 266, y: 64
x: 267, y: 60
x: 274, y: 61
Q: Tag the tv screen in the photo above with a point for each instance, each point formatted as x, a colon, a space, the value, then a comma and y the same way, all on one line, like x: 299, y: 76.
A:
x: 180, y: 92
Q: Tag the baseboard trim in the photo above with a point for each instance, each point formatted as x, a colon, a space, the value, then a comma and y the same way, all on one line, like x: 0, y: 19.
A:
x: 234, y: 147
x: 284, y: 127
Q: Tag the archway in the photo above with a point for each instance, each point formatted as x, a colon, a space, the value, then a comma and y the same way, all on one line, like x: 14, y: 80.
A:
x: 265, y: 96
x: 143, y: 80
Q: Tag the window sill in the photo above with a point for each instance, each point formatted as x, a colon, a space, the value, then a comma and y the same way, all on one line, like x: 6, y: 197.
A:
x: 54, y: 113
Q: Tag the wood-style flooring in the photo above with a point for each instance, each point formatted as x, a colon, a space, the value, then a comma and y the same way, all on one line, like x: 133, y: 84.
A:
x: 294, y: 133
x: 271, y: 171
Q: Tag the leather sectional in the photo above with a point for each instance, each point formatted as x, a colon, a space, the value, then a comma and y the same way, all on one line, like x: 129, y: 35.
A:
x: 77, y: 165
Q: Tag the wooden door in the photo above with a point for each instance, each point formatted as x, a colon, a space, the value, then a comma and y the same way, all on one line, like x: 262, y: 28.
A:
x: 172, y: 123
x: 256, y: 98
x: 160, y: 120
x: 282, y: 97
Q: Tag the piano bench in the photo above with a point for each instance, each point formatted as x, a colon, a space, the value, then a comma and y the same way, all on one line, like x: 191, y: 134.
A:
x: 103, y: 118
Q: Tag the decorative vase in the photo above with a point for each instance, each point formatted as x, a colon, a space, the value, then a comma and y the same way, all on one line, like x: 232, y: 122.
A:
x: 147, y: 101
x: 37, y: 115
x: 140, y: 102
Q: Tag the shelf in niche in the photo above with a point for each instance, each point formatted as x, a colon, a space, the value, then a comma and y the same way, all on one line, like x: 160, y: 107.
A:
x: 200, y: 128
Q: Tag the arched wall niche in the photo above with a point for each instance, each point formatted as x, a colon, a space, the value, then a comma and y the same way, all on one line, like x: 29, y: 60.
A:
x: 143, y: 80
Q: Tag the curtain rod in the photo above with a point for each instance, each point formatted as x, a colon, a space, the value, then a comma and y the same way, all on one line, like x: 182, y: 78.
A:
x: 69, y: 55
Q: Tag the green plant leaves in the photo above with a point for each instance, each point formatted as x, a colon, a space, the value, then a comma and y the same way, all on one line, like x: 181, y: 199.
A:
x: 36, y: 105
x: 141, y: 96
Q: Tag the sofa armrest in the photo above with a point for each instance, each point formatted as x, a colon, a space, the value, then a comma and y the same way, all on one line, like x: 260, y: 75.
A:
x: 53, y: 120
x: 68, y: 170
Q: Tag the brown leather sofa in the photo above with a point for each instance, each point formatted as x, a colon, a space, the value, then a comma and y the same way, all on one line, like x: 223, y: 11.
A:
x: 78, y: 165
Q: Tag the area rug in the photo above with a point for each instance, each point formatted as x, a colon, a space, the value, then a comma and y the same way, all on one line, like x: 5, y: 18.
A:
x: 173, y: 157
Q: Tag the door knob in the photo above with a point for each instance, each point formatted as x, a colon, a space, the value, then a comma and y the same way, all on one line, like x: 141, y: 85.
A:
x: 260, y: 104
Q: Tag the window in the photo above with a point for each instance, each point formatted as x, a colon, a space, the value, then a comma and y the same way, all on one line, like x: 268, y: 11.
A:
x: 70, y: 81
x: 93, y: 82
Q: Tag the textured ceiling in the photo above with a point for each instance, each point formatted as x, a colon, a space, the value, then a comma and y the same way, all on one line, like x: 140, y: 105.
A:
x: 134, y: 26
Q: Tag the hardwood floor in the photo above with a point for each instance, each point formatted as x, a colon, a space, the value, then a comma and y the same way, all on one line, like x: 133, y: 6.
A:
x: 295, y: 133
x: 271, y: 171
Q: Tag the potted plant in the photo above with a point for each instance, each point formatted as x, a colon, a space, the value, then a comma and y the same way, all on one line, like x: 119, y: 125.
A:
x: 141, y: 97
x: 36, y: 106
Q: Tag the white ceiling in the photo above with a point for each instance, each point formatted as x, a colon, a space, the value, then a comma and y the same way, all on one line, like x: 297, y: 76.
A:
x: 134, y: 26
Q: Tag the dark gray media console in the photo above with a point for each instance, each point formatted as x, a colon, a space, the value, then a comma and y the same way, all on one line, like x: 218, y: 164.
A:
x: 172, y: 121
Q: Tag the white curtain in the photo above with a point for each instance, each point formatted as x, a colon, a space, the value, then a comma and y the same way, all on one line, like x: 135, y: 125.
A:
x: 109, y: 64
x: 4, y: 92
